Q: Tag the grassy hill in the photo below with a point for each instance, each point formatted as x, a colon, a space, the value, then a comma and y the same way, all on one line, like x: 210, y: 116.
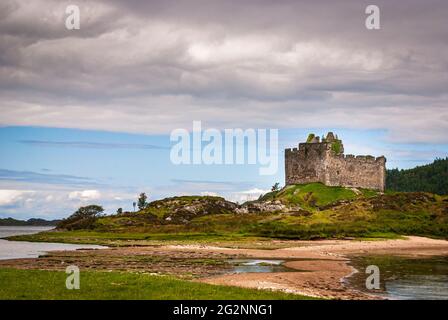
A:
x: 315, y: 195
x: 375, y: 216
x: 310, y: 211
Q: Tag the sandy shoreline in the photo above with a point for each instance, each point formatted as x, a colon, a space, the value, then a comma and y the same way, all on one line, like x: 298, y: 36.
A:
x: 321, y: 265
x: 326, y: 264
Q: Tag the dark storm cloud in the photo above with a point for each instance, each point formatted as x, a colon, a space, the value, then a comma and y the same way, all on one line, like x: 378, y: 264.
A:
x: 152, y: 66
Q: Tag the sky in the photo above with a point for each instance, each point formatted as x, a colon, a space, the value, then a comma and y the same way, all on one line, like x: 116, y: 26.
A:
x: 86, y: 115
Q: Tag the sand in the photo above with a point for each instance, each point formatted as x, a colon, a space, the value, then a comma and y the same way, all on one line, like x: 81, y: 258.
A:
x: 327, y: 269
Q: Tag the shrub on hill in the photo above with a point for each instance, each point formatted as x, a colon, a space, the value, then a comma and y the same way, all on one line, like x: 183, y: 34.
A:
x: 83, y: 218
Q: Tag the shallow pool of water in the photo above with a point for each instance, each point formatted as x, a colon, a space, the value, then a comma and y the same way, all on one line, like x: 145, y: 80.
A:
x: 404, y: 278
x: 258, y: 265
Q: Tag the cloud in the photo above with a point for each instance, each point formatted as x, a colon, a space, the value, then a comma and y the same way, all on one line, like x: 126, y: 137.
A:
x: 51, y: 204
x: 152, y: 66
x: 84, y: 195
x: 247, y: 195
x: 35, y: 177
x: 210, y: 182
x: 215, y: 188
x: 12, y: 197
x: 90, y: 145
x: 210, y: 194
x: 255, y: 191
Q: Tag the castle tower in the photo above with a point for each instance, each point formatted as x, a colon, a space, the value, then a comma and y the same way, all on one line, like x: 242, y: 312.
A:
x: 324, y: 161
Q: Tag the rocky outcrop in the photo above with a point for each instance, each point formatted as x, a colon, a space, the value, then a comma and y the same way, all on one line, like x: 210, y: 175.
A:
x: 274, y: 206
x: 183, y: 209
x: 262, y: 206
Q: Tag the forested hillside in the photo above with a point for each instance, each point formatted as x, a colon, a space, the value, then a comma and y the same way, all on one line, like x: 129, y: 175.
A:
x: 429, y: 178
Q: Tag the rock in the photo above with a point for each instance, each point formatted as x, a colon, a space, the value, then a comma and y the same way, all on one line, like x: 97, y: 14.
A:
x: 265, y: 206
x: 183, y: 209
x: 241, y: 210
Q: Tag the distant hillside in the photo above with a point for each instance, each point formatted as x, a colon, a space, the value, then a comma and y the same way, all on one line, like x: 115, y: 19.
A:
x: 428, y: 178
x: 29, y: 222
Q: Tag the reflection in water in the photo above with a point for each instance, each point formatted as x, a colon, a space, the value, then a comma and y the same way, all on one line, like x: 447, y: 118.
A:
x: 422, y: 287
x: 404, y: 278
x: 258, y: 265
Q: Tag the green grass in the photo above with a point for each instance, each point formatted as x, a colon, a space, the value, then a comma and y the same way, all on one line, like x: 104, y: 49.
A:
x: 314, y: 195
x: 39, y: 284
x: 357, y: 221
x: 136, y: 238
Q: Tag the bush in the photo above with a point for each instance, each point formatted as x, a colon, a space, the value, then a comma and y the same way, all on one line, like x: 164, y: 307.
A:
x: 83, y: 218
x: 336, y: 146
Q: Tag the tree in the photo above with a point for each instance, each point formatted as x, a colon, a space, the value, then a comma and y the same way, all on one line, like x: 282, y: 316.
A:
x: 432, y: 178
x: 275, y: 187
x: 134, y: 204
x: 142, y: 201
x: 119, y: 210
x: 83, y: 218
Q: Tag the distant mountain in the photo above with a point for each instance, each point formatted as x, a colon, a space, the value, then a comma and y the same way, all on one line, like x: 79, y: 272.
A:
x: 428, y: 178
x: 29, y: 222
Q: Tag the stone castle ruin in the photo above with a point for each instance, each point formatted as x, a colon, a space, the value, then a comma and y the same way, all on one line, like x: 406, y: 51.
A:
x: 324, y: 161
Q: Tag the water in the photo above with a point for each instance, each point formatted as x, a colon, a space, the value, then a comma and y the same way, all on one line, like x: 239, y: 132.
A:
x: 257, y: 265
x: 404, y: 278
x: 24, y: 249
x: 17, y: 231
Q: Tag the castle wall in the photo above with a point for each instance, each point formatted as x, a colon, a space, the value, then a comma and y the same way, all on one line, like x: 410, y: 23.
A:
x: 316, y: 162
x: 361, y: 171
